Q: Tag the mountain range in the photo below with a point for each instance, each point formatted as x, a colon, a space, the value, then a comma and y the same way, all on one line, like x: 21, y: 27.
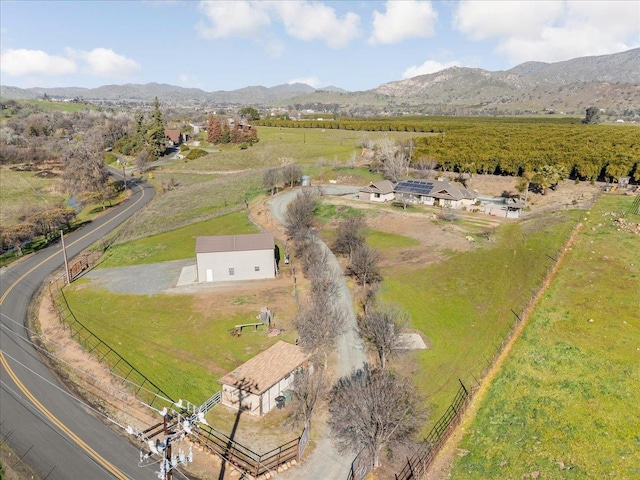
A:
x: 611, y: 82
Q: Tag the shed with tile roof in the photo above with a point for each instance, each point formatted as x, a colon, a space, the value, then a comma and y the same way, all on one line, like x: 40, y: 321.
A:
x: 224, y: 258
x: 255, y: 385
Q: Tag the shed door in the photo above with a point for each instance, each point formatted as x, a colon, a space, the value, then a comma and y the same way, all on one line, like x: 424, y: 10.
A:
x: 209, y: 275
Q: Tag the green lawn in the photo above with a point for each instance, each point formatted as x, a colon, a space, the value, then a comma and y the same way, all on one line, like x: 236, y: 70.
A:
x: 566, y: 403
x: 463, y: 304
x: 176, y: 244
x: 180, y: 349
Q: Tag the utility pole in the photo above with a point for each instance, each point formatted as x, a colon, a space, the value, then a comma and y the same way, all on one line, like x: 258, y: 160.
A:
x: 64, y: 255
x: 124, y: 176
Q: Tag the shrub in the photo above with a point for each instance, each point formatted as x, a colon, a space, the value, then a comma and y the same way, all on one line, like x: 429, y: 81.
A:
x: 195, y: 153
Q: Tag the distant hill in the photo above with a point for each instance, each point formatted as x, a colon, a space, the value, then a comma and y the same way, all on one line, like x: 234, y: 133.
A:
x: 608, y: 81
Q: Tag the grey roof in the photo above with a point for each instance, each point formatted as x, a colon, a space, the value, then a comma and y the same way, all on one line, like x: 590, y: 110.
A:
x: 383, y: 187
x: 235, y: 243
x: 435, y: 189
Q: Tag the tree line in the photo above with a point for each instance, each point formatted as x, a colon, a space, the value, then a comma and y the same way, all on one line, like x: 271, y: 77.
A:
x: 374, y: 406
x: 509, y: 146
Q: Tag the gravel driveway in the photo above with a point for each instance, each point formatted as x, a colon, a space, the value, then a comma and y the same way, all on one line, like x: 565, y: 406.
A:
x: 325, y: 462
x: 140, y: 279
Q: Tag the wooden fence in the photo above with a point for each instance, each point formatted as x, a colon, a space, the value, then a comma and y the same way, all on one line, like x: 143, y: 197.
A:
x: 145, y: 390
x: 244, y: 458
x: 417, y: 465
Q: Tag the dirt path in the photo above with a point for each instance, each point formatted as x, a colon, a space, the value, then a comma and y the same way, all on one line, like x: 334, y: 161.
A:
x: 440, y: 469
x: 325, y: 462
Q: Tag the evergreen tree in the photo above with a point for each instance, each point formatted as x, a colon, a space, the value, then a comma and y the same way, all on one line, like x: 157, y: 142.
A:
x: 155, y: 138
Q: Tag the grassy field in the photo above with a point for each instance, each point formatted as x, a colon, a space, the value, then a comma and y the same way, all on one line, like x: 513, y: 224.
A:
x: 463, y: 304
x: 175, y: 244
x: 18, y: 190
x: 566, y: 403
x: 307, y: 147
x: 179, y: 347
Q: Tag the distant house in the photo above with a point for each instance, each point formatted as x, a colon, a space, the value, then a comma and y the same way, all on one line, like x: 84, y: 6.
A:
x: 173, y: 137
x: 235, y: 257
x: 256, y: 385
x: 377, y: 192
x: 435, y: 192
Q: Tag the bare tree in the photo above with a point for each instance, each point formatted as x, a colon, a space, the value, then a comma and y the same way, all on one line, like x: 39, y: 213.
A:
x: 350, y: 234
x: 270, y: 179
x: 321, y: 319
x: 381, y: 328
x: 13, y: 236
x: 308, y: 387
x: 364, y: 265
x: 84, y: 170
x: 142, y: 160
x: 299, y: 217
x: 394, y: 161
x: 426, y: 167
x: 370, y: 408
x: 292, y: 174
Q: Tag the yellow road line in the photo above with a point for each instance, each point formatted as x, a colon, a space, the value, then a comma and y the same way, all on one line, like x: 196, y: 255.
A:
x: 96, y: 456
x: 73, y: 243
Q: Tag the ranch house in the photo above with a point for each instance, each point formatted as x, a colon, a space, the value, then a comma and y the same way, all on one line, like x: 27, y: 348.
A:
x: 439, y: 193
x: 257, y: 386
x: 377, y: 192
x: 225, y: 258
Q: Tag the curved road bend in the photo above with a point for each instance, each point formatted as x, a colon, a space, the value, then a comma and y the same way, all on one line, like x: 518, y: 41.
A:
x: 325, y: 462
x: 66, y: 441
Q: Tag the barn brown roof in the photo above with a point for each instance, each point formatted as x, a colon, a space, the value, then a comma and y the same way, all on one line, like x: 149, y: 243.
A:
x: 267, y: 368
x: 235, y: 243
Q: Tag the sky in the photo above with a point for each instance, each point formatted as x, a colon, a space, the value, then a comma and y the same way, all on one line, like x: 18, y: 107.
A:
x: 354, y: 45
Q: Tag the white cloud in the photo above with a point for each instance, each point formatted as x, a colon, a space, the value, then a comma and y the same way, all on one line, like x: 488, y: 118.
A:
x: 551, y: 31
x: 312, y: 81
x: 189, y: 81
x: 232, y: 19
x: 430, y: 66
x: 34, y: 62
x: 301, y: 19
x: 104, y: 62
x: 273, y: 47
x: 402, y: 20
x: 315, y: 21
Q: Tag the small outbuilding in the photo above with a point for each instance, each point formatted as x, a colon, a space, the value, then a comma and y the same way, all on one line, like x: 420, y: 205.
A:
x: 224, y: 258
x: 377, y: 192
x: 257, y: 386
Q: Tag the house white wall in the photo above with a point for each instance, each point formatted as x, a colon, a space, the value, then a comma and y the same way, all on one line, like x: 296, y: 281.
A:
x: 269, y: 397
x: 256, y: 404
x: 231, y: 398
x: 241, y: 265
x: 373, y: 197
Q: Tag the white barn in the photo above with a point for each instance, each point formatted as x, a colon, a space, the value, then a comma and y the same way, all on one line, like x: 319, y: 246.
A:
x: 255, y: 385
x: 225, y: 258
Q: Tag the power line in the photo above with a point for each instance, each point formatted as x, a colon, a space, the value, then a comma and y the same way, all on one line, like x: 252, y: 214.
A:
x: 89, y: 375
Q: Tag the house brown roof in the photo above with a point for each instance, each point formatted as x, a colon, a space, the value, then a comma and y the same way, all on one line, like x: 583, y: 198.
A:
x: 235, y: 243
x: 174, y: 135
x: 383, y: 187
x: 267, y: 368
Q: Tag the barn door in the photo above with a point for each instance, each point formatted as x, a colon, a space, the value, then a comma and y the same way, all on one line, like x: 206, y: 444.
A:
x: 209, y: 275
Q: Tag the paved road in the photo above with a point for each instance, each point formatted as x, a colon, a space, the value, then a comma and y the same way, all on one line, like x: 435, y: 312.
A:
x: 64, y: 440
x: 325, y: 462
